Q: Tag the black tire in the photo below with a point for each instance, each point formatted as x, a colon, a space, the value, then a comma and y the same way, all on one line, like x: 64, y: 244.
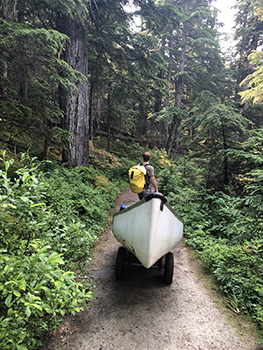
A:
x: 160, y: 263
x: 120, y: 261
x: 169, y: 268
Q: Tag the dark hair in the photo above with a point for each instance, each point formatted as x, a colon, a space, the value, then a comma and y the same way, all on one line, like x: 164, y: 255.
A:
x: 146, y: 156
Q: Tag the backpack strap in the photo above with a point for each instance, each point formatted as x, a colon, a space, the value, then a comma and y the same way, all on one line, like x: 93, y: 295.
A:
x: 147, y: 179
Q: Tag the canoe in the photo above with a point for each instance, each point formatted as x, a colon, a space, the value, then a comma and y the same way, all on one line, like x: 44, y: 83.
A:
x: 149, y: 229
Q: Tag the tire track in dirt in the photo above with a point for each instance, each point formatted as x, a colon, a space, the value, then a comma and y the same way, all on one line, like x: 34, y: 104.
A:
x: 143, y: 313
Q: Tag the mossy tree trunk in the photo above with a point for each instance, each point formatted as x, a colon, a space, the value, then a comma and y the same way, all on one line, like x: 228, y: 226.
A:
x: 179, y: 85
x: 75, y: 103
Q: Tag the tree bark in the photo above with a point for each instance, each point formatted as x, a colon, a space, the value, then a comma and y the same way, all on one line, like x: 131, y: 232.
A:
x: 158, y: 95
x: 21, y: 18
x: 179, y: 85
x: 109, y: 111
x: 169, y: 79
x: 8, y: 9
x: 75, y: 103
x: 3, y: 88
x: 142, y: 120
x: 226, y: 179
x: 91, y: 119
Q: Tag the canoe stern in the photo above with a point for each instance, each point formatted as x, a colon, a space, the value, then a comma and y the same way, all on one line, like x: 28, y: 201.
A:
x: 149, y: 229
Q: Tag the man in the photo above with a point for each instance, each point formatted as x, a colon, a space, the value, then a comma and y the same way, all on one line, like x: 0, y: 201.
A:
x: 151, y: 183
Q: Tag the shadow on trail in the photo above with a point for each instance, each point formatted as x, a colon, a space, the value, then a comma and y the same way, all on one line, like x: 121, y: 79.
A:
x: 140, y: 289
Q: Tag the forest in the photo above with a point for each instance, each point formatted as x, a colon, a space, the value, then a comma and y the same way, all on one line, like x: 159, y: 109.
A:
x: 86, y: 86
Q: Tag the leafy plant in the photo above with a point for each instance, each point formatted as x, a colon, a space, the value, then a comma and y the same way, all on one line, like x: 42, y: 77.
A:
x: 82, y: 194
x: 48, y: 226
x: 226, y: 230
x: 35, y: 293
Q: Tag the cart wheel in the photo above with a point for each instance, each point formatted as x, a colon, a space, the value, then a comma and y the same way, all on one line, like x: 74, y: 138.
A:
x: 160, y: 263
x: 120, y: 260
x: 169, y: 268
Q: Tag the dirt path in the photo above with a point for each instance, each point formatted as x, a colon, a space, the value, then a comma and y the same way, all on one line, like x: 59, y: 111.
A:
x: 143, y: 313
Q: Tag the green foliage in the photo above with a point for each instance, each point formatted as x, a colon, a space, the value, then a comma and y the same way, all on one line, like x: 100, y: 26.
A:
x: 238, y: 269
x: 221, y: 231
x: 32, y: 72
x: 22, y: 206
x: 81, y: 193
x: 184, y: 173
x: 254, y: 197
x: 212, y: 133
x: 169, y: 113
x: 254, y: 80
x: 48, y: 226
x: 225, y: 230
x: 128, y: 149
x: 120, y: 172
x: 36, y: 292
x: 130, y: 75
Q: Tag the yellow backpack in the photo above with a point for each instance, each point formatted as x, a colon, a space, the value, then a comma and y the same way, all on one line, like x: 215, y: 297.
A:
x: 137, y: 178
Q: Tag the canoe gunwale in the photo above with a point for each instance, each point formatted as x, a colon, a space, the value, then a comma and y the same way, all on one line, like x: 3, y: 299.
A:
x: 147, y: 199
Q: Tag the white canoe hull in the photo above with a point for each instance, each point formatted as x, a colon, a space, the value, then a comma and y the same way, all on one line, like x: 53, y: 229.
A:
x: 149, y: 229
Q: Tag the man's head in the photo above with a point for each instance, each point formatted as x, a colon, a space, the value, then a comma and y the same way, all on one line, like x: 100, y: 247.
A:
x: 146, y: 156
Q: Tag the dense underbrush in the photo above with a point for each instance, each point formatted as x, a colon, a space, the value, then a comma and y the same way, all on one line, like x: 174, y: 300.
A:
x: 50, y: 219
x: 226, y: 231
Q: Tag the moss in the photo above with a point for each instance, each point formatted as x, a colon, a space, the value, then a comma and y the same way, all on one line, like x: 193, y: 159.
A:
x: 102, y: 160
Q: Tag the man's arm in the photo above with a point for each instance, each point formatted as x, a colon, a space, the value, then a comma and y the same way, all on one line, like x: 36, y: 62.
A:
x: 154, y: 183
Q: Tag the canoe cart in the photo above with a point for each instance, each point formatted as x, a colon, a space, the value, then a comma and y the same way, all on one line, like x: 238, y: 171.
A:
x: 148, y: 231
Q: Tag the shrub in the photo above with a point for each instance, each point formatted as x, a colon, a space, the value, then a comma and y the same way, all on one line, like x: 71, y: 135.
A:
x: 39, y: 248
x: 82, y: 194
x: 226, y: 230
x: 119, y: 174
x: 35, y: 293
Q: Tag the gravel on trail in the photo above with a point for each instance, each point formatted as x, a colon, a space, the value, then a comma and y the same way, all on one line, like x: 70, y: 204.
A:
x: 141, y: 312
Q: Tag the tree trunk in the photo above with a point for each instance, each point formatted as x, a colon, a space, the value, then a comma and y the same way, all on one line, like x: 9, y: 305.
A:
x: 142, y: 121
x: 109, y: 118
x: 75, y: 103
x: 169, y: 79
x: 158, y: 95
x: 179, y: 86
x: 91, y: 118
x: 3, y: 88
x: 24, y: 85
x: 21, y: 18
x: 8, y: 9
x: 226, y: 179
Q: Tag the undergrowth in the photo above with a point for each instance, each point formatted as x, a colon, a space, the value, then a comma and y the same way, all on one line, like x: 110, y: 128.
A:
x: 49, y: 223
x: 51, y: 217
x: 226, y: 231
